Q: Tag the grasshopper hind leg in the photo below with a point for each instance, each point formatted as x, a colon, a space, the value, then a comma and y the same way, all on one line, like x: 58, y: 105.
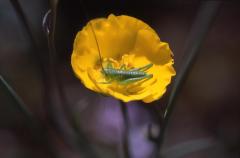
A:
x: 144, y: 68
x: 132, y: 80
x: 123, y: 67
x: 107, y: 82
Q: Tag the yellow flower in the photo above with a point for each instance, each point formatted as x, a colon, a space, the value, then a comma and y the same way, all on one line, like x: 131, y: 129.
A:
x: 122, y: 40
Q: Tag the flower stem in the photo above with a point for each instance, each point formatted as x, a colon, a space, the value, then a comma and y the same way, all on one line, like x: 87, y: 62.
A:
x: 39, y: 55
x: 202, y: 23
x: 62, y: 116
x: 37, y: 127
x: 20, y: 105
x: 125, y: 145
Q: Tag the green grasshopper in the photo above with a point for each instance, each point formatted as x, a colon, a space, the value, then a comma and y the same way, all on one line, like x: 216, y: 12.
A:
x: 122, y: 75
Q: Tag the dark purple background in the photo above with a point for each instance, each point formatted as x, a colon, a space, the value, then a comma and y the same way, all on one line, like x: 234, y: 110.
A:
x: 207, y: 109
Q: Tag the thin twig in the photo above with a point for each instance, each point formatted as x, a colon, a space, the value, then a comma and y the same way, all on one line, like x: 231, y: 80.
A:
x: 126, y: 145
x: 203, y: 21
x: 77, y: 137
x: 23, y: 19
x: 38, y: 55
x: 39, y: 129
x: 20, y: 105
x: 51, y: 78
x: 185, y: 148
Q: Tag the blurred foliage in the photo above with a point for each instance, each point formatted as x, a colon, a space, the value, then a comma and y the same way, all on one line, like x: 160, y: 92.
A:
x: 206, y: 109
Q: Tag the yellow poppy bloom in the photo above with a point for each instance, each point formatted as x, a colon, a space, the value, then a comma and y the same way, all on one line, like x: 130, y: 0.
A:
x: 126, y: 42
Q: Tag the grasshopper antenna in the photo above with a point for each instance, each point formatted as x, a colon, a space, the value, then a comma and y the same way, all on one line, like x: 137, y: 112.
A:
x: 99, y: 52
x: 94, y: 34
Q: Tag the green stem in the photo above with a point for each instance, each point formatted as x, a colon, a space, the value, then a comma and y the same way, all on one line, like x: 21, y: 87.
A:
x: 203, y: 21
x: 39, y: 130
x: 77, y: 138
x: 20, y: 104
x: 125, y: 145
x: 34, y: 47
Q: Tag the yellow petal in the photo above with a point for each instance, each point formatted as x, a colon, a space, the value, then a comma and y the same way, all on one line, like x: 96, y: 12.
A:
x: 122, y: 41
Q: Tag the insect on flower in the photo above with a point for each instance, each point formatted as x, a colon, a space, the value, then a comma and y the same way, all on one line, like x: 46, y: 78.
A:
x: 138, y: 66
x: 121, y: 75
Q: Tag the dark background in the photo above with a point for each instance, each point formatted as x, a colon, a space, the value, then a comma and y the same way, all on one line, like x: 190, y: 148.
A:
x: 207, y: 110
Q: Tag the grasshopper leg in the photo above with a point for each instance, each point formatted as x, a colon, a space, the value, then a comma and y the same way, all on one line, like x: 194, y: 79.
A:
x: 144, y: 68
x: 107, y: 82
x: 109, y: 65
x: 123, y: 67
x: 132, y: 80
